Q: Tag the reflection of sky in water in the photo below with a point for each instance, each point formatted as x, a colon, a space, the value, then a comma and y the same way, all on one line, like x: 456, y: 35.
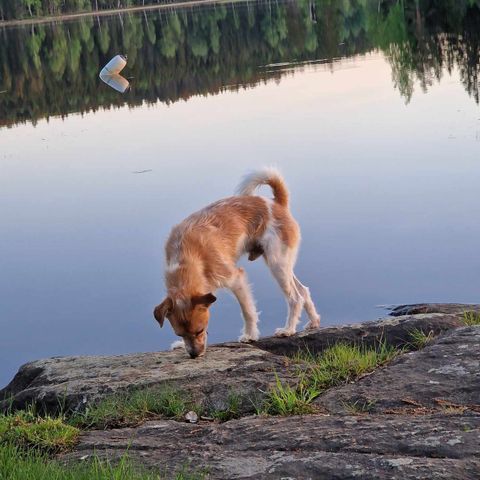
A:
x: 386, y: 194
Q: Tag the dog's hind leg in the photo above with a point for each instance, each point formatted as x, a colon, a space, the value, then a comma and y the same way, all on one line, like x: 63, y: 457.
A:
x: 313, y: 315
x: 239, y: 286
x: 281, y: 266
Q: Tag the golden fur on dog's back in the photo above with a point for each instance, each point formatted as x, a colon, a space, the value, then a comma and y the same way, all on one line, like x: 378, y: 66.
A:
x: 213, y: 238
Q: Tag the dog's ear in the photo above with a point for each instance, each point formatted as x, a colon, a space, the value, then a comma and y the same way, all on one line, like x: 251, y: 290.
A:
x: 205, y: 300
x: 162, y: 310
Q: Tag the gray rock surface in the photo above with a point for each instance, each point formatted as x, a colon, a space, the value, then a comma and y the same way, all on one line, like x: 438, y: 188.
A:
x: 443, y: 375
x: 393, y: 330
x: 451, y: 308
x: 425, y: 424
x: 309, y: 447
x: 74, y: 382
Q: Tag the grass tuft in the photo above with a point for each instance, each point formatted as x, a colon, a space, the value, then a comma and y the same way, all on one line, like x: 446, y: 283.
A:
x: 342, y: 363
x: 18, y: 464
x: 419, y: 339
x: 338, y: 364
x: 28, y: 443
x: 471, y: 318
x: 284, y: 399
x: 27, y: 430
x: 359, y: 407
x: 232, y: 411
x: 132, y: 408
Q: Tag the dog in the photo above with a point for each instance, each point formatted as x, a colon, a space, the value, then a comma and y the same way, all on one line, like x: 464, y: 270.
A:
x: 202, y: 254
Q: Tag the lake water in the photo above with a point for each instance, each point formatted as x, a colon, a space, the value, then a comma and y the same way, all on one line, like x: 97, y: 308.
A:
x: 370, y: 109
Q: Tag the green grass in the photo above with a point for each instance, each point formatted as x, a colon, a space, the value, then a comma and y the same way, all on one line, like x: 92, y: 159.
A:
x: 29, y: 441
x: 18, y: 464
x: 338, y: 364
x: 342, y: 363
x: 420, y: 339
x: 234, y: 402
x: 284, y: 399
x: 132, y: 408
x: 471, y: 318
x: 359, y: 406
x: 26, y: 429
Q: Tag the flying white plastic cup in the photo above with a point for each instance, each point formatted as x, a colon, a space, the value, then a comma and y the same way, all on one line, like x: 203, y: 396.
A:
x: 114, y: 66
x: 117, y: 82
x: 110, y: 74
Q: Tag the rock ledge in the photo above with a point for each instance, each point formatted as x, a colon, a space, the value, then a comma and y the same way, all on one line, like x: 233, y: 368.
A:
x: 416, y: 418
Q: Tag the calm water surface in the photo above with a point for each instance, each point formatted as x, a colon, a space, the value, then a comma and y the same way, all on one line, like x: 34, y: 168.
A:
x: 372, y: 115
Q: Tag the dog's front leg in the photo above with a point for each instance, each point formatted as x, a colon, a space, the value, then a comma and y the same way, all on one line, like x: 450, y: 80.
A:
x: 239, y: 286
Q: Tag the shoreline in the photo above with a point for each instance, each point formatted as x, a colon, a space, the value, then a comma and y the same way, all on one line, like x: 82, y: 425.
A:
x: 355, y: 395
x: 104, y: 13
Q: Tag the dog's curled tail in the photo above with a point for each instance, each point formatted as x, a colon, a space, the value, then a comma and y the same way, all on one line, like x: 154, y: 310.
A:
x: 266, y: 176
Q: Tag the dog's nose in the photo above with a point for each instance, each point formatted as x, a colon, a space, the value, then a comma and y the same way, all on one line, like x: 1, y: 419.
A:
x: 196, y: 353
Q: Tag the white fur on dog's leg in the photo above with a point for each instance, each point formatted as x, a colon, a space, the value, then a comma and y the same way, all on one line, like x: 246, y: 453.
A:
x: 284, y: 332
x: 246, y: 338
x: 249, y: 336
x: 313, y: 324
x: 238, y: 284
x: 309, y: 306
x: 177, y: 344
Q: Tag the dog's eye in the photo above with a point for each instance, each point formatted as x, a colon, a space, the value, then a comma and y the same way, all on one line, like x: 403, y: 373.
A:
x: 199, y: 333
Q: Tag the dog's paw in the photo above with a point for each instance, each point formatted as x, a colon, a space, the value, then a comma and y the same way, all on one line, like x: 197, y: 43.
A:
x: 247, y: 338
x: 284, y: 332
x: 313, y: 325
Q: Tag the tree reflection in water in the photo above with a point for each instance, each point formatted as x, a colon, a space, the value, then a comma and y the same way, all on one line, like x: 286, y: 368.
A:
x: 52, y: 69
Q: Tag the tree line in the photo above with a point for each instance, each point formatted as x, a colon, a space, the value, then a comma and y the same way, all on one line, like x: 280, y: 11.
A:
x: 20, y: 9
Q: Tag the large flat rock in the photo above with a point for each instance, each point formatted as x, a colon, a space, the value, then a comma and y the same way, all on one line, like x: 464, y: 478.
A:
x: 443, y: 375
x: 75, y: 382
x: 310, y: 447
x: 408, y: 434
x: 450, y: 308
x: 416, y: 418
x: 78, y: 381
x: 392, y: 330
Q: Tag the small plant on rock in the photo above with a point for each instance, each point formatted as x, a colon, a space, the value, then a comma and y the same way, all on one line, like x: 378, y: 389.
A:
x: 284, y: 399
x: 359, y: 407
x: 419, y: 339
x: 233, y: 410
x: 471, y: 318
x: 342, y: 363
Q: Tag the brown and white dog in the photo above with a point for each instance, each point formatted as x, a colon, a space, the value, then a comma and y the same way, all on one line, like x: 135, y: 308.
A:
x: 202, y: 254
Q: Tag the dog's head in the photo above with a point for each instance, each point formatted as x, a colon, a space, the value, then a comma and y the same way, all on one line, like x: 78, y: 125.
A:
x: 189, y: 320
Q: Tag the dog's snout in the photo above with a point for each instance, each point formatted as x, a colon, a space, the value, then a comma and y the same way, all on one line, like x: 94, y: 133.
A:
x: 194, y: 353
